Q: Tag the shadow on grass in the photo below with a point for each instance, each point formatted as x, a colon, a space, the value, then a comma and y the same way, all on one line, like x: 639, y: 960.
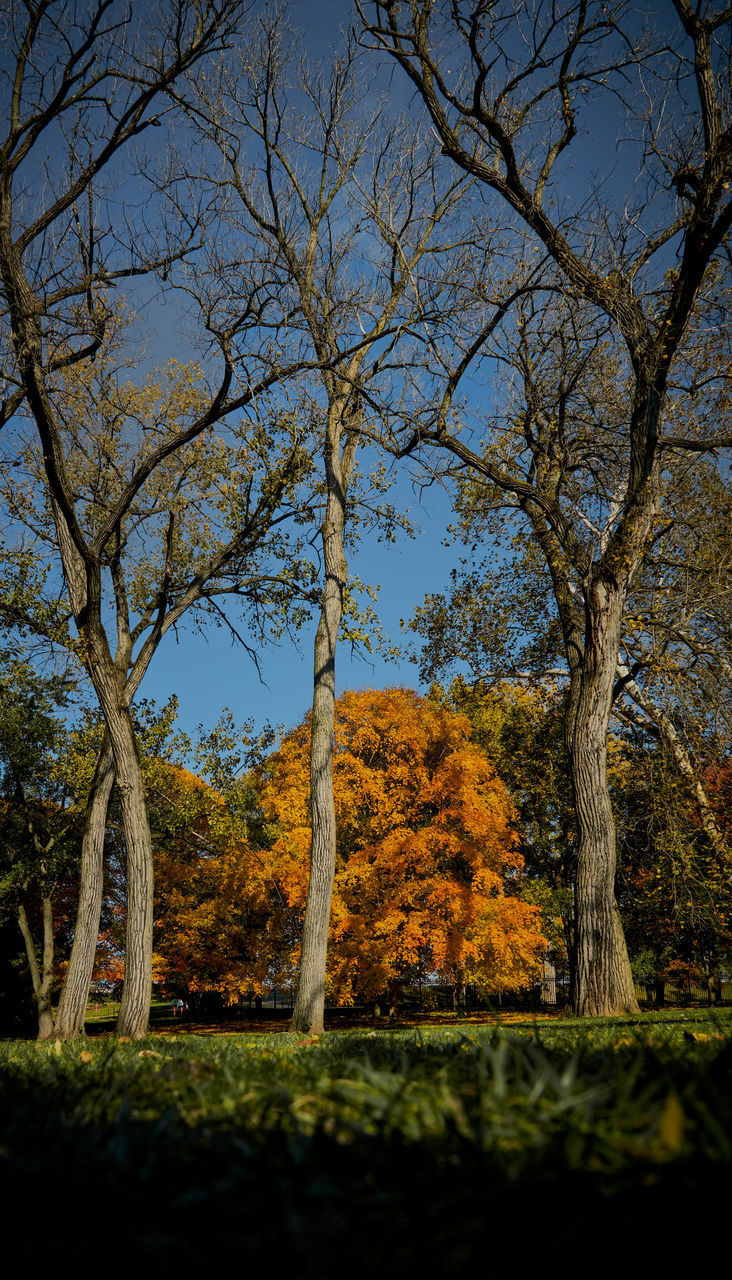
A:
x: 366, y: 1154
x: 173, y: 1202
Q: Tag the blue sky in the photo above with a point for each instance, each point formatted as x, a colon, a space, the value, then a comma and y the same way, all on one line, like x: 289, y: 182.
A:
x: 209, y: 673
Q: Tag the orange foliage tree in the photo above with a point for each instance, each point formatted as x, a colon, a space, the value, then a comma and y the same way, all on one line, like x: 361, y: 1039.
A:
x: 221, y: 920
x: 428, y: 870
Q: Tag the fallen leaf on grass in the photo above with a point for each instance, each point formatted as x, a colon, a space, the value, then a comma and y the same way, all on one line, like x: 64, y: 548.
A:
x: 671, y: 1132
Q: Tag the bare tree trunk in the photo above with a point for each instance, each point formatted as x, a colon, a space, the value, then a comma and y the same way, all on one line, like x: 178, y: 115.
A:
x: 548, y: 982
x: 109, y: 684
x: 71, y: 1012
x: 309, y: 1007
x: 40, y: 978
x: 134, y: 1010
x: 712, y: 978
x: 603, y: 982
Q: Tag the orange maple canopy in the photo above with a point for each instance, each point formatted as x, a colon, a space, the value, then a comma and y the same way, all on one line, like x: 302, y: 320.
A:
x: 219, y: 922
x: 427, y: 866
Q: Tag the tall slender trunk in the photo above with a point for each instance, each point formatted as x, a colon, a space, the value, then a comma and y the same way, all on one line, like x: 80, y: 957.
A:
x: 134, y: 1010
x: 307, y: 1015
x: 42, y: 977
x: 71, y: 1012
x: 603, y: 983
x: 109, y: 685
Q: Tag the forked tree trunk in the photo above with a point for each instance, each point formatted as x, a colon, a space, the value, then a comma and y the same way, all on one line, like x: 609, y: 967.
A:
x: 603, y: 982
x: 71, y: 1012
x: 82, y: 570
x: 109, y: 685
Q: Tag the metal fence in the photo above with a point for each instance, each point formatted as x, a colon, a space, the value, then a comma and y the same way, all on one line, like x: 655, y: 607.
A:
x: 684, y: 992
x: 555, y: 991
x: 551, y: 993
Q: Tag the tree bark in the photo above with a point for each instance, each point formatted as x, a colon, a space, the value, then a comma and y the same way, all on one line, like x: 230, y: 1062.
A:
x: 603, y: 982
x: 40, y: 978
x: 110, y: 687
x: 71, y: 1012
x: 548, y: 982
x: 308, y: 1013
x: 109, y: 682
x: 712, y: 979
x: 134, y: 1010
x: 343, y: 415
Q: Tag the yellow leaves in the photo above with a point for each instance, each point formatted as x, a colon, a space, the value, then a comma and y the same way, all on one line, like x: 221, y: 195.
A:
x: 424, y: 843
x: 85, y: 1056
x: 671, y: 1129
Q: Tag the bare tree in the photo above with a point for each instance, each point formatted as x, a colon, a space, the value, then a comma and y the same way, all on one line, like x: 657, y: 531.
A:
x: 346, y: 203
x: 221, y: 520
x: 516, y: 611
x: 507, y: 88
x: 80, y: 90
x: 514, y: 607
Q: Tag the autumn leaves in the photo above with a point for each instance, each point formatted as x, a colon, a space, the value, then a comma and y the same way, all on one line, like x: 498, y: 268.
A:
x: 427, y: 878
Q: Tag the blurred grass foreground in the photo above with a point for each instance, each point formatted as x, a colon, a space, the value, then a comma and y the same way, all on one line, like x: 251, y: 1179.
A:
x: 371, y: 1152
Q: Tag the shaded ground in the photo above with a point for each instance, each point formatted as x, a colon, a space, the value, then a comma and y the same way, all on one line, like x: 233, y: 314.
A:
x: 540, y: 1144
x: 268, y: 1021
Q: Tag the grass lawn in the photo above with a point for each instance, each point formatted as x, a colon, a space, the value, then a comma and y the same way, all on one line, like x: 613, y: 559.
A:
x: 367, y: 1152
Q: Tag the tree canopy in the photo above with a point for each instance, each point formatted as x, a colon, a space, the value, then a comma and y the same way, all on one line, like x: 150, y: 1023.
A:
x: 428, y: 873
